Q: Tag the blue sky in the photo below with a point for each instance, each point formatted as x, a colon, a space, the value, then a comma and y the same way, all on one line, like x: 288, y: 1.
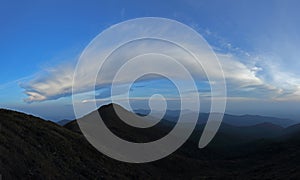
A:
x: 260, y: 39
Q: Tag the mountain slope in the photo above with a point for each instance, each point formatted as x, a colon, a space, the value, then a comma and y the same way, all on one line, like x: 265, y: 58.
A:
x: 31, y: 148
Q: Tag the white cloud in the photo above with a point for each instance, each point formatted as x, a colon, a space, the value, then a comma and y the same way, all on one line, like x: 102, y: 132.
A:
x: 57, y: 82
x: 242, y: 79
x: 53, y: 83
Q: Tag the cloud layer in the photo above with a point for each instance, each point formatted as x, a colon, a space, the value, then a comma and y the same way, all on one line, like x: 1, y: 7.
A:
x: 241, y: 80
x: 52, y: 83
x: 252, y: 80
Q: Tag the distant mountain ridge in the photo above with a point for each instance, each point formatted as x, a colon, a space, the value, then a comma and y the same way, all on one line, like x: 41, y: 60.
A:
x: 235, y: 120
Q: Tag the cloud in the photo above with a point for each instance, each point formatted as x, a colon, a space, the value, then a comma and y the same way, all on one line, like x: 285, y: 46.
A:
x: 245, y: 80
x: 56, y: 82
x: 52, y: 83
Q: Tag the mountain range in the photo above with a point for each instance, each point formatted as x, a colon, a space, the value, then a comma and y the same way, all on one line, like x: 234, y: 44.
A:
x: 235, y: 120
x: 33, y: 148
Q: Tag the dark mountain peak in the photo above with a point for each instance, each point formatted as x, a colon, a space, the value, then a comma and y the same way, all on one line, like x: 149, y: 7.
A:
x: 106, y: 112
x: 115, y: 121
x: 111, y: 106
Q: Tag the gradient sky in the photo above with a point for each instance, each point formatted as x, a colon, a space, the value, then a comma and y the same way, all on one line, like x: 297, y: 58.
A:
x: 256, y: 39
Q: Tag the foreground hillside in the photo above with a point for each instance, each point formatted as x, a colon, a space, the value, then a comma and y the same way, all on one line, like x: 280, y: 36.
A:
x: 32, y: 148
